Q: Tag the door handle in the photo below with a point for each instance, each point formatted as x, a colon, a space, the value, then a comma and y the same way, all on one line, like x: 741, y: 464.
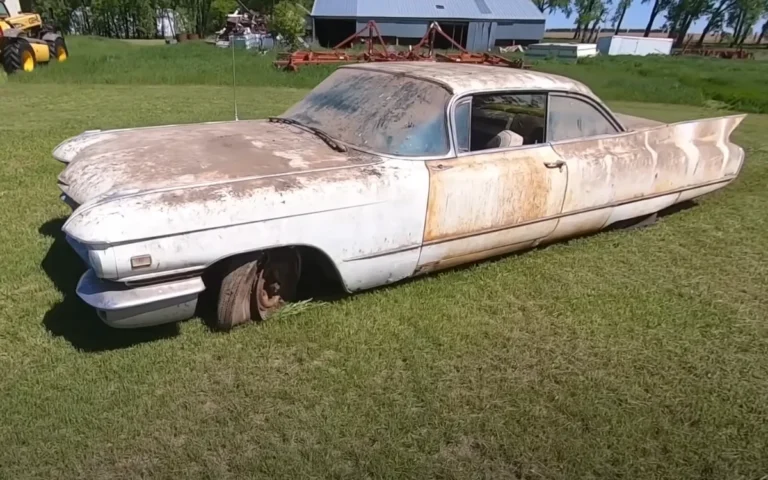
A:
x: 558, y: 164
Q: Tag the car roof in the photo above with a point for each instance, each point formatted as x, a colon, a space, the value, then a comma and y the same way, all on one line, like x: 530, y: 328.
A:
x: 462, y: 78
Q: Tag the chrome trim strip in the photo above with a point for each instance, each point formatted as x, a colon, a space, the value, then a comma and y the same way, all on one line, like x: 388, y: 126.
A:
x: 383, y: 253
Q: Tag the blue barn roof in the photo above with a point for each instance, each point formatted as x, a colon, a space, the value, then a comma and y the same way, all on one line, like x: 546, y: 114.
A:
x: 429, y: 9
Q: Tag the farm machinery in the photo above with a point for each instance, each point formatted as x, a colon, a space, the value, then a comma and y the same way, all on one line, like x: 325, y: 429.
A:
x: 376, y: 50
x: 738, y: 54
x: 728, y: 53
x: 26, y: 41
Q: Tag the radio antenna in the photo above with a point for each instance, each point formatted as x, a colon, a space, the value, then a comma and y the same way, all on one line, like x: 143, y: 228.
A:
x: 234, y: 76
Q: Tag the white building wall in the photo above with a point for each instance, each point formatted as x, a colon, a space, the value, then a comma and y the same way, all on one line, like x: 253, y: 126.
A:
x: 626, y: 45
x: 13, y: 6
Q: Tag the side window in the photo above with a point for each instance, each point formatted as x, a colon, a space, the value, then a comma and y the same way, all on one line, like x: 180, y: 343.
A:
x: 4, y: 11
x: 507, y: 120
x: 463, y: 136
x: 571, y: 117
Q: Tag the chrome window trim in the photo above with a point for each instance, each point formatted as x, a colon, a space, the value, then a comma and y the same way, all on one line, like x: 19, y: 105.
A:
x: 470, y: 95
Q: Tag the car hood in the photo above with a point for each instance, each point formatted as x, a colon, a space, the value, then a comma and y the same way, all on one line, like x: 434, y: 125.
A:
x: 126, y: 162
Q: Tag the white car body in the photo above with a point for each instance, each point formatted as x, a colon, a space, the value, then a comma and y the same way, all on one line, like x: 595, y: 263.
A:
x: 155, y: 207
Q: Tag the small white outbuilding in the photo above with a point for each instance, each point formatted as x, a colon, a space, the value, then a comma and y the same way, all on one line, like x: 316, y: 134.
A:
x: 570, y: 51
x: 623, y: 45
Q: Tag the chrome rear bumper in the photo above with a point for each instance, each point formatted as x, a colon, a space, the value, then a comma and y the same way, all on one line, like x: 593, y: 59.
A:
x: 121, y: 306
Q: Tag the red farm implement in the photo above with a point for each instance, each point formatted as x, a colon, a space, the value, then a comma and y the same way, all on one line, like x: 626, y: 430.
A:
x: 376, y: 50
x: 729, y: 53
x: 719, y: 53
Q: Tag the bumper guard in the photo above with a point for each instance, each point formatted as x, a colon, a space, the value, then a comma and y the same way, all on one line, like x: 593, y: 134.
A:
x: 121, y: 306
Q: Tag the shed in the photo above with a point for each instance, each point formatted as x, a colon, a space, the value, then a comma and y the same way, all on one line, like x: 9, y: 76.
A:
x: 626, y: 45
x: 569, y: 51
x: 477, y: 25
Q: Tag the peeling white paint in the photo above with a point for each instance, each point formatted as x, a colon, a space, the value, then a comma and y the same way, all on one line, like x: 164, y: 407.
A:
x: 296, y: 160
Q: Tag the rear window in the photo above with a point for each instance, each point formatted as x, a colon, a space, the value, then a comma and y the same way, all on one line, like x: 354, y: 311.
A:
x: 571, y: 118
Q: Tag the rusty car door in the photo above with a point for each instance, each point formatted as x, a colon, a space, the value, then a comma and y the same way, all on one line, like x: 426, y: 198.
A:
x: 583, y: 134
x: 489, y: 202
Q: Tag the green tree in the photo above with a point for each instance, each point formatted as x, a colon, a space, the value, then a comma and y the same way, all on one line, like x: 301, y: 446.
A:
x: 618, y: 15
x: 680, y: 16
x: 589, y: 12
x: 742, y: 17
x: 659, y: 6
x: 549, y: 6
x: 763, y: 32
x: 715, y: 21
x: 288, y: 20
x: 219, y: 11
x: 137, y: 18
x: 56, y: 12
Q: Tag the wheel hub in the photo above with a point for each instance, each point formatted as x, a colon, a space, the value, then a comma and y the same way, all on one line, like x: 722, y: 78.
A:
x: 276, y: 281
x: 27, y: 62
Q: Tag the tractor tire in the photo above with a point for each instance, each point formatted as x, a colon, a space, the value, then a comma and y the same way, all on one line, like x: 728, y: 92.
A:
x: 18, y: 55
x: 58, y: 50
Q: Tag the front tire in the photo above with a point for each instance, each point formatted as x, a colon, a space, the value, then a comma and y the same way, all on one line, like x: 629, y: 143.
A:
x: 254, y: 289
x: 58, y: 50
x: 18, y: 55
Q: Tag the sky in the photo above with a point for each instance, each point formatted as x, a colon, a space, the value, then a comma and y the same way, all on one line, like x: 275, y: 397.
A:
x: 636, y: 17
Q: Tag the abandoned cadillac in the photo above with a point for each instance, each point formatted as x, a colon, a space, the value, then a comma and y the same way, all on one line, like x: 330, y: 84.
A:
x: 383, y: 171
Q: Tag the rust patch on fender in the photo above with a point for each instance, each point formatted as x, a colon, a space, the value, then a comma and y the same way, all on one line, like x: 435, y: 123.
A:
x: 454, y: 261
x: 647, y: 162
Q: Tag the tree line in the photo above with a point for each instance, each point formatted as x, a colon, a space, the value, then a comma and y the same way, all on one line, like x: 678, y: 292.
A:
x: 138, y: 18
x: 738, y: 18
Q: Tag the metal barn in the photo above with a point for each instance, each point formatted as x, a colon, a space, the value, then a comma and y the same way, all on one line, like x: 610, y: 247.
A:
x: 477, y: 25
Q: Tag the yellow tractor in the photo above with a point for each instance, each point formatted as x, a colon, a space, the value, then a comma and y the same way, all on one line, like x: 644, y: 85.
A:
x: 25, y: 41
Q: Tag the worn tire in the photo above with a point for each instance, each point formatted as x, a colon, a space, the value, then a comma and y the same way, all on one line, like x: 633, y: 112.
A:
x: 234, y: 305
x: 244, y: 281
x: 13, y: 54
x: 55, y: 49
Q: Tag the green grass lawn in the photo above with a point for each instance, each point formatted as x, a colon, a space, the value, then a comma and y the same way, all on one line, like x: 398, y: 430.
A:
x: 638, y: 354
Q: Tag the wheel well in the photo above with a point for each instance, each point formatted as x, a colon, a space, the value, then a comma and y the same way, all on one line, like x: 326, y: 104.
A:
x: 319, y: 275
x: 51, y: 37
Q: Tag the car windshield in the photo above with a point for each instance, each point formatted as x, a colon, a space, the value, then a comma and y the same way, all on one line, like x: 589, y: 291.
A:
x: 379, y: 112
x: 4, y: 11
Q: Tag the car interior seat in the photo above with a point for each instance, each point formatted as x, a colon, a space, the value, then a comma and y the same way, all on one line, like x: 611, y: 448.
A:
x: 505, y: 139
